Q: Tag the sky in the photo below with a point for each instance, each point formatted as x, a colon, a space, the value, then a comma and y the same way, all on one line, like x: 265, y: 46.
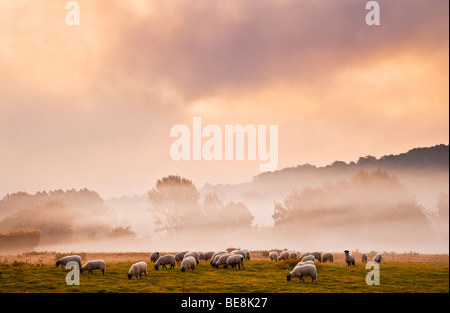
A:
x: 92, y: 105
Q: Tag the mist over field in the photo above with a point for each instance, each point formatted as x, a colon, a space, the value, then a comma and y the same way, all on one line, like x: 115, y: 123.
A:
x: 360, y: 151
x: 396, y: 203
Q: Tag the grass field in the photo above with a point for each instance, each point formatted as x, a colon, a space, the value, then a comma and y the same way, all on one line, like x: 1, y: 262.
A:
x: 260, y: 276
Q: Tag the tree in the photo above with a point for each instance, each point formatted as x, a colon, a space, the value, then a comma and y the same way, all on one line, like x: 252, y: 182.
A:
x: 174, y: 203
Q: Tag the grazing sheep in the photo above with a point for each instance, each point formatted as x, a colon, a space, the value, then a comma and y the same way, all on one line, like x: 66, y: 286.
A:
x: 94, y: 265
x: 273, y: 256
x: 294, y: 255
x: 223, y: 260
x: 284, y: 256
x: 164, y: 260
x: 188, y: 263
x: 328, y: 256
x: 364, y: 258
x: 69, y: 258
x: 378, y: 259
x: 215, y: 256
x: 349, y: 258
x: 306, y: 262
x: 154, y: 256
x: 302, y: 271
x: 241, y: 252
x: 180, y: 255
x: 317, y: 255
x: 194, y: 254
x: 304, y: 254
x: 234, y: 260
x: 137, y: 269
x: 247, y: 255
x: 206, y: 255
x: 309, y: 258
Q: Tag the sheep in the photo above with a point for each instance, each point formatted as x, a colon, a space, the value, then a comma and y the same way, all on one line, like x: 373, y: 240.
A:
x: 154, y: 256
x: 317, y: 255
x: 273, y: 256
x: 378, y: 259
x: 188, y: 263
x: 69, y: 258
x: 206, y: 255
x: 304, y: 254
x: 164, y: 260
x: 223, y: 260
x: 284, y: 256
x: 364, y: 258
x: 214, y: 258
x: 328, y: 256
x: 306, y: 262
x: 304, y: 270
x: 294, y: 255
x: 234, y: 260
x: 194, y: 254
x: 309, y: 258
x: 349, y: 258
x: 247, y: 255
x: 240, y: 252
x: 180, y: 255
x: 94, y: 265
x: 137, y: 269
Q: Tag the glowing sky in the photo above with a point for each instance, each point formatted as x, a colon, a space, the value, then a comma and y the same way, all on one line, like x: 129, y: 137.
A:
x: 92, y: 105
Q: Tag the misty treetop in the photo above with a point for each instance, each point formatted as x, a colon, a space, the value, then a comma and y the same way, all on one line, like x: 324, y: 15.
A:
x: 175, y: 207
x: 373, y: 203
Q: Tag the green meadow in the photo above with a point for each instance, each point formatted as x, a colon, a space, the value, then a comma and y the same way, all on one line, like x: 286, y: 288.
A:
x: 258, y: 277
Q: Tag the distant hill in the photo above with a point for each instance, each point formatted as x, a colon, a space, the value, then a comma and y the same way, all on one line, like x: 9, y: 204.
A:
x: 436, y: 157
x: 423, y: 171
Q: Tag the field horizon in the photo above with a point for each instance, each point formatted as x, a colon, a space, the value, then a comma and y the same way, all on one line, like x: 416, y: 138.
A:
x: 35, y: 272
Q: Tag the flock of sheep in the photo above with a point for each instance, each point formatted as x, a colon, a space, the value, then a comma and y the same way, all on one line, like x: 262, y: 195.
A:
x: 236, y: 258
x: 307, y: 265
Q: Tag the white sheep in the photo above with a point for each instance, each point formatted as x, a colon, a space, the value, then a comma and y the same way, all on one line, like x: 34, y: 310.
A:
x: 240, y: 252
x: 284, y: 256
x: 328, y: 256
x: 194, y: 254
x: 378, y: 259
x: 306, y: 262
x: 304, y: 254
x: 349, y: 258
x: 364, y: 258
x: 180, y: 255
x: 137, y: 269
x: 234, y: 260
x: 309, y: 258
x: 317, y: 255
x: 63, y: 261
x: 247, y: 255
x: 154, y: 256
x: 302, y: 271
x: 215, y: 257
x: 188, y: 263
x: 94, y: 265
x: 273, y: 256
x: 206, y: 255
x: 222, y: 260
x: 164, y: 260
x: 294, y: 255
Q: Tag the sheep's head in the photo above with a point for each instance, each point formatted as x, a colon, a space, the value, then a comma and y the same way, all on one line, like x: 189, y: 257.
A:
x: 346, y: 252
x: 288, y: 277
x: 156, y: 266
x: 183, y: 268
x: 58, y: 263
x: 130, y: 275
